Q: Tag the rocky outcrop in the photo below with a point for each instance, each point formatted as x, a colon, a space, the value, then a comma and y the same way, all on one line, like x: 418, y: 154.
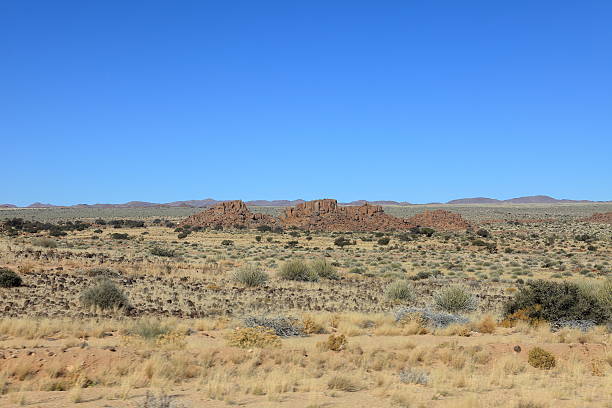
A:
x: 439, y: 220
x: 229, y: 214
x: 605, y: 218
x: 327, y: 215
x: 324, y: 215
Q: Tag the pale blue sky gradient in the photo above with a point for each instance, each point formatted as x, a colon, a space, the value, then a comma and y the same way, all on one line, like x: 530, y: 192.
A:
x: 420, y: 101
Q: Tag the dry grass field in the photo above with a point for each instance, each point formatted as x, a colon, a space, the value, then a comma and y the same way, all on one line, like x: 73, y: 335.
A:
x: 207, y: 318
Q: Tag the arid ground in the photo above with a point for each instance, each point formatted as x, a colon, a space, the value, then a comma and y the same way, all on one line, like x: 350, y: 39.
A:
x: 216, y: 317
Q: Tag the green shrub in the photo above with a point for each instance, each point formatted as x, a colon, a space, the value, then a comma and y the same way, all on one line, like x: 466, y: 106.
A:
x: 157, y: 251
x: 341, y: 242
x: 297, y: 271
x: 601, y: 291
x: 540, y: 358
x: 250, y: 275
x: 118, y: 235
x: 9, y: 279
x: 227, y: 242
x: 557, y: 301
x: 400, y: 291
x: 323, y: 269
x: 455, y: 299
x: 105, y: 295
x: 149, y: 329
x: 384, y: 241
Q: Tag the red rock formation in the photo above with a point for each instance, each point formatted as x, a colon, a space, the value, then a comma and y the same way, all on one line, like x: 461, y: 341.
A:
x: 605, y: 218
x: 326, y: 215
x: 439, y: 220
x: 229, y: 214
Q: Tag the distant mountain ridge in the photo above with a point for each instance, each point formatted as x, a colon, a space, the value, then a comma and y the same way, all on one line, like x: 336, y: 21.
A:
x: 208, y: 202
x: 537, y: 199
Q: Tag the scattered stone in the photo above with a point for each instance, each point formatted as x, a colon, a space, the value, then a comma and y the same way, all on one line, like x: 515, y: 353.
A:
x: 605, y: 218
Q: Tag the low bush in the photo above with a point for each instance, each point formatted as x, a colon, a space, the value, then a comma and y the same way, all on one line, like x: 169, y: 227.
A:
x: 455, y: 299
x: 342, y: 242
x: 297, y: 270
x: 44, y: 242
x: 168, y: 253
x: 250, y: 275
x: 540, y: 358
x: 227, y: 242
x: 9, y: 279
x: 555, y: 301
x: 400, y: 291
x: 335, y: 342
x: 149, y: 329
x: 428, y: 317
x: 105, y: 295
x: 342, y: 383
x: 249, y: 337
x: 413, y: 376
x: 282, y: 326
x: 323, y: 269
x: 119, y: 236
x: 384, y: 241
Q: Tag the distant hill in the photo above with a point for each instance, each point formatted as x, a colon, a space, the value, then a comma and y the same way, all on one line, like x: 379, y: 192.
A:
x: 475, y: 200
x: 274, y: 203
x: 383, y: 202
x: 40, y: 205
x: 8, y: 206
x: 537, y: 199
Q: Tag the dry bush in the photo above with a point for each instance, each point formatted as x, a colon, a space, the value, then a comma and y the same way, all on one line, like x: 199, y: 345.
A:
x: 311, y: 326
x: 324, y: 269
x: 249, y: 337
x: 343, y: 383
x: 540, y: 358
x: 250, y: 275
x: 44, y: 242
x: 413, y: 376
x: 400, y: 291
x: 297, y: 270
x: 486, y: 325
x: 335, y: 342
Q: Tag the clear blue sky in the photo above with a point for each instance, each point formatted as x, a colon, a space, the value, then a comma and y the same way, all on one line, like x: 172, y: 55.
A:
x: 110, y: 101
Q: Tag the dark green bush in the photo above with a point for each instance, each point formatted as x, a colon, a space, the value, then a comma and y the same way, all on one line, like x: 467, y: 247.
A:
x: 341, y: 242
x: 554, y: 301
x: 227, y: 242
x: 9, y: 279
x: 384, y: 241
x: 118, y: 235
x: 105, y: 295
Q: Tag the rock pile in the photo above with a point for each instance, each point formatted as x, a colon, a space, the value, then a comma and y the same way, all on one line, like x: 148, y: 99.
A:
x: 324, y: 215
x: 327, y: 215
x: 600, y: 217
x: 229, y: 214
x: 439, y: 220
